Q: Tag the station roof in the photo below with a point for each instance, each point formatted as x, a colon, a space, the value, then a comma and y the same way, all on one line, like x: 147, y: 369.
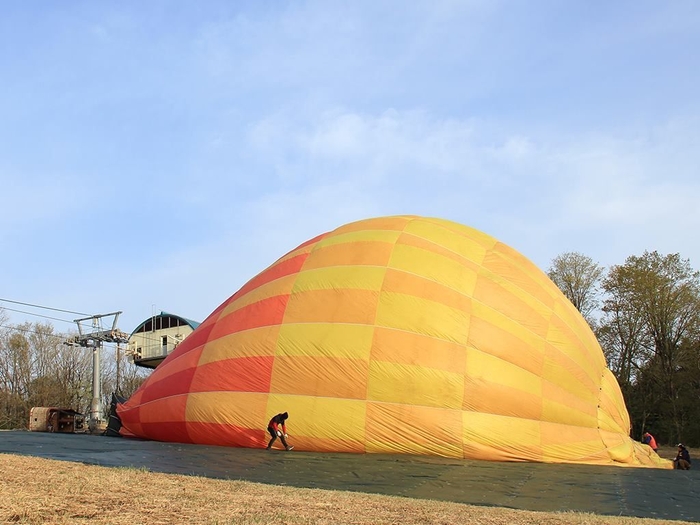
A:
x: 192, y: 324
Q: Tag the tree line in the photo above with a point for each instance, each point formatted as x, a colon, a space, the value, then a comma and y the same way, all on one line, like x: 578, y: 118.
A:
x: 645, y: 313
x: 37, y: 368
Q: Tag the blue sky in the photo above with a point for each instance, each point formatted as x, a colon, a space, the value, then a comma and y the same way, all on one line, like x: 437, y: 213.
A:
x: 157, y: 155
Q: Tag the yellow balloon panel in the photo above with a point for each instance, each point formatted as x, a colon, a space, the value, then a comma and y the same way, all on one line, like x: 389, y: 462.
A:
x: 395, y: 335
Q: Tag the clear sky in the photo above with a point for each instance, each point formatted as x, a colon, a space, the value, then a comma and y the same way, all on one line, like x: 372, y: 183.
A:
x: 155, y: 155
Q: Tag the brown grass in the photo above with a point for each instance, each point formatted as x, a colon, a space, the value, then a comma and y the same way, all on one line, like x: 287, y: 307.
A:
x: 35, y: 490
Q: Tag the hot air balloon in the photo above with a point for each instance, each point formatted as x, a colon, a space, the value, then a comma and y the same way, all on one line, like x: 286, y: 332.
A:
x: 396, y: 334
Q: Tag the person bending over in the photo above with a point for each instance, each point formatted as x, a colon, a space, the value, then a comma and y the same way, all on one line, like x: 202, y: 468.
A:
x: 277, y: 429
x: 648, y: 439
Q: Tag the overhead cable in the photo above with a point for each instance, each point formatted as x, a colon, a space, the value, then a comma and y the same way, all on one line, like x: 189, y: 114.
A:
x: 42, y: 307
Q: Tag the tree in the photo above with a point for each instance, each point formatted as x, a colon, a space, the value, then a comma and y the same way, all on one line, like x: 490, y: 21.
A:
x: 578, y: 277
x: 37, y: 369
x: 15, y: 377
x: 621, y: 332
x: 74, y: 368
x: 653, y: 319
x: 48, y: 391
x: 126, y: 382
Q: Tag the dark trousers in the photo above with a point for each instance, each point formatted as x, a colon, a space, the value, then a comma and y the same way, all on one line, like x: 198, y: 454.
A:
x: 681, y: 464
x: 274, y: 435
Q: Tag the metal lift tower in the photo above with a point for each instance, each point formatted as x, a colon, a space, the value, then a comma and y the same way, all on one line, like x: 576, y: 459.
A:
x: 94, y: 340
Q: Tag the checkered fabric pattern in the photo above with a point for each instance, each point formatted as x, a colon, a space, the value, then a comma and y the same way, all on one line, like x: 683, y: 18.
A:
x: 395, y: 335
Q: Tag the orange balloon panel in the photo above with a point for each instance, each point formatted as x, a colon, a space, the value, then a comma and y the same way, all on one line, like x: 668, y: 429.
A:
x: 395, y: 335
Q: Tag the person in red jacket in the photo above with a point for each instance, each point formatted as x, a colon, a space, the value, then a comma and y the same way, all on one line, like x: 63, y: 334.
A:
x: 648, y: 439
x: 274, y: 426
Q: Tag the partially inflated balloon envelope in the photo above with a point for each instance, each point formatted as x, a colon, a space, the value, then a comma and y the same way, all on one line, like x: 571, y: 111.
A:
x: 396, y: 335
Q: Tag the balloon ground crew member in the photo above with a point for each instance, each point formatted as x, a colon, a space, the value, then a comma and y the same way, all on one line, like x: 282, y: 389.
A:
x: 648, y: 439
x: 682, y: 461
x: 273, y: 427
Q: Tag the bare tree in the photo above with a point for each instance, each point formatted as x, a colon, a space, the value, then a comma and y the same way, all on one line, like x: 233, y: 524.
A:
x: 36, y: 369
x: 578, y: 277
x: 74, y: 369
x: 120, y: 375
x: 15, y: 377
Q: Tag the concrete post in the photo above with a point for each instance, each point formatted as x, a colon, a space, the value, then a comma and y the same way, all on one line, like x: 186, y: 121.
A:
x: 96, y: 405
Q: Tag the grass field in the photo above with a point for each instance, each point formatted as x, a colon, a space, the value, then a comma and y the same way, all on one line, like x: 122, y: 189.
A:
x: 35, y: 490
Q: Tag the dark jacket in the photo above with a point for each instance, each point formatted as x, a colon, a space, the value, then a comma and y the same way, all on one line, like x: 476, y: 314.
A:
x: 278, y: 420
x: 683, y: 454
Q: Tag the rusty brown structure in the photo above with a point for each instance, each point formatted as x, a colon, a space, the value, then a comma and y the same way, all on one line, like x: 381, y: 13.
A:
x: 55, y: 419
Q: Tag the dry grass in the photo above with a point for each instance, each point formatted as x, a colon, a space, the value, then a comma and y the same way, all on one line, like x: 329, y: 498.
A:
x: 36, y: 490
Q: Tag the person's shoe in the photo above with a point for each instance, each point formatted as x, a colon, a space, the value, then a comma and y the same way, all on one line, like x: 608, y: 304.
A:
x: 290, y: 448
x: 267, y: 448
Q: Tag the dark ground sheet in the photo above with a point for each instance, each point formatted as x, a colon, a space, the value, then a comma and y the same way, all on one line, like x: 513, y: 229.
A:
x: 640, y: 492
